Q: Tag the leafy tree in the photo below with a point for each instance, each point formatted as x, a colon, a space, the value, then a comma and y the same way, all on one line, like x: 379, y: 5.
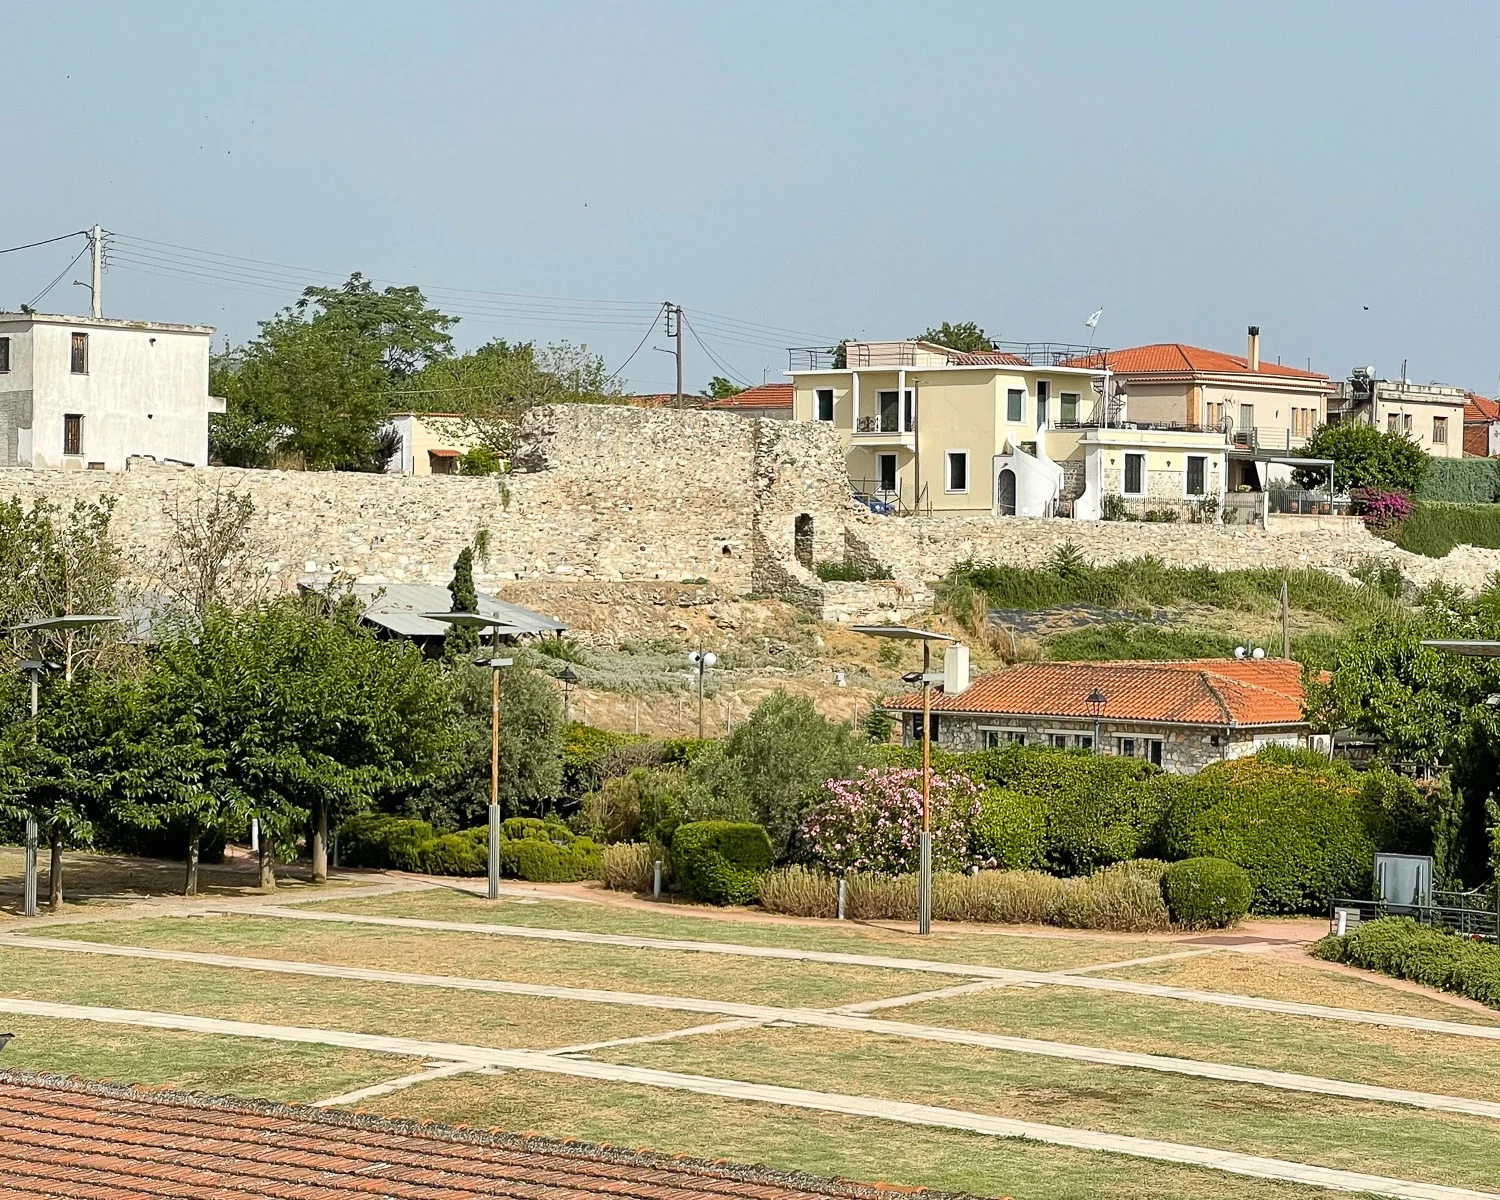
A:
x: 210, y: 557
x: 720, y: 388
x: 1364, y: 457
x: 966, y: 336
x: 461, y: 641
x: 840, y: 355
x: 407, y: 332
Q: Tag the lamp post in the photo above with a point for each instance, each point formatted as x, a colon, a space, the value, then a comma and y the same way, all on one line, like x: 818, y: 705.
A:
x: 495, y: 664
x: 927, y: 678
x: 569, y: 677
x: 36, y: 667
x: 1096, y: 702
x: 702, y: 659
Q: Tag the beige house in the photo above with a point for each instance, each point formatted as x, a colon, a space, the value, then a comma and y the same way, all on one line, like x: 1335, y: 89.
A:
x: 1021, y: 430
x: 1431, y: 414
x: 431, y: 443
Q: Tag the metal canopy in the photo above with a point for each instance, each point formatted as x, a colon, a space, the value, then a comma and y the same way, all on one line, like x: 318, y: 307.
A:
x: 902, y: 631
x: 1470, y: 649
x: 477, y: 621
x: 70, y: 621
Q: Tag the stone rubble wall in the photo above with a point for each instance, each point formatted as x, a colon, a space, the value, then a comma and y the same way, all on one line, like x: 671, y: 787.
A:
x: 606, y: 493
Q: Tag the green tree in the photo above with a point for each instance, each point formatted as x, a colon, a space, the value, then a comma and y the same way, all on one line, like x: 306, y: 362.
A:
x: 966, y: 336
x: 1364, y: 457
x: 461, y: 641
x: 398, y: 321
x: 720, y: 388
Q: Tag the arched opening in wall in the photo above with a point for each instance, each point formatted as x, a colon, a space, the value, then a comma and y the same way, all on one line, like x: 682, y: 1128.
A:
x: 1005, y: 491
x: 802, y: 539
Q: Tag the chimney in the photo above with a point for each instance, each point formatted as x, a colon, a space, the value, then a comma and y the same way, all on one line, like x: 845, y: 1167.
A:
x: 1254, y: 355
x: 955, y: 670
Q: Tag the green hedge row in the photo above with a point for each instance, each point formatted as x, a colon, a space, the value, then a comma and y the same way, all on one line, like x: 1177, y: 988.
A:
x: 1401, y: 947
x: 1435, y: 528
x: 537, y: 851
x: 1461, y: 481
x: 721, y: 862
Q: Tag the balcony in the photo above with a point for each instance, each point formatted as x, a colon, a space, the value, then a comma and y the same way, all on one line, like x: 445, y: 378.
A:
x: 1266, y: 439
x: 867, y: 355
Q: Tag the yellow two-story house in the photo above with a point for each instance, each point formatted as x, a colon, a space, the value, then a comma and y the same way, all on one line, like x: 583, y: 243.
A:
x: 1007, y: 432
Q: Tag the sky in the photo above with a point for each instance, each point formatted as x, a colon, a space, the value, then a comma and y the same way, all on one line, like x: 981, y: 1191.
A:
x: 790, y: 173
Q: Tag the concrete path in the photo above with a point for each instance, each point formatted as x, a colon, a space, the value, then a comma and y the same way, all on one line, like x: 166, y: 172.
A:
x: 830, y: 1102
x: 440, y: 1071
x: 969, y: 970
x: 838, y: 1019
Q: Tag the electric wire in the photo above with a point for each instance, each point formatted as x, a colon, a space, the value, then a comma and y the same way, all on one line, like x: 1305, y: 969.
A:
x: 62, y: 237
x: 712, y: 357
x: 37, y: 299
x: 649, y: 330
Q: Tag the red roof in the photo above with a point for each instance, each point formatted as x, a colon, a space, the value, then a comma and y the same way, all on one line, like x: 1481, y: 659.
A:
x: 765, y: 395
x: 988, y: 358
x: 1197, y: 692
x: 63, y: 1137
x: 1174, y: 358
x: 1481, y: 410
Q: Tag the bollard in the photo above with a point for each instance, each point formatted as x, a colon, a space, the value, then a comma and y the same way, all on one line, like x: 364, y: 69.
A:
x: 656, y: 880
x: 841, y: 897
x: 254, y: 835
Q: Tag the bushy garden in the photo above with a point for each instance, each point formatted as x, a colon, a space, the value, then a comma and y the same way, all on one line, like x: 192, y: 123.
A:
x: 1401, y: 947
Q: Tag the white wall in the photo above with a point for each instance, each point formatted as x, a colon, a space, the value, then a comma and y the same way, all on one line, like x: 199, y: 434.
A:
x: 145, y: 391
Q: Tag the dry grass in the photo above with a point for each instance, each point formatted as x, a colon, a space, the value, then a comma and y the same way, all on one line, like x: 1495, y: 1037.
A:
x: 1124, y: 898
x: 628, y: 867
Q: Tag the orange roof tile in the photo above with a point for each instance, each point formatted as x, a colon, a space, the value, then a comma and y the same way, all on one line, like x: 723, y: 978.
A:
x: 1481, y: 410
x: 1196, y: 692
x: 989, y: 358
x: 765, y: 395
x: 64, y: 1137
x: 1175, y: 358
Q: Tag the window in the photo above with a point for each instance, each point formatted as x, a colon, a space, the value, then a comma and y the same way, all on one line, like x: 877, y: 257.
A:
x: 890, y: 413
x: 1013, y: 401
x: 1247, y: 416
x: 1195, y: 474
x: 1069, y: 414
x: 1125, y: 747
x: 1058, y: 741
x: 908, y: 413
x: 1215, y: 414
x: 4, y: 354
x: 1393, y: 423
x: 1043, y: 400
x: 73, y: 433
x: 993, y: 738
x: 1153, y: 751
x: 1439, y: 431
x: 1406, y: 422
x: 1085, y: 741
x: 958, y: 471
x: 1135, y: 474
x: 823, y: 404
x: 80, y: 354
x: 886, y: 465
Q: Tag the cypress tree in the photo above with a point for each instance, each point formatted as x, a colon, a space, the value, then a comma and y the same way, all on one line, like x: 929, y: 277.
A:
x: 461, y: 641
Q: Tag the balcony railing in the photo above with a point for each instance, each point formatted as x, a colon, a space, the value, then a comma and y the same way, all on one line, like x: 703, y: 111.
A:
x: 1269, y: 439
x: 872, y: 423
x: 859, y: 355
x: 1114, y: 422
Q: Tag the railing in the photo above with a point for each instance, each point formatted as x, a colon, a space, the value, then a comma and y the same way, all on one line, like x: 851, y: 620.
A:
x: 1115, y: 423
x: 1054, y: 354
x: 904, y: 354
x: 1271, y: 439
x: 887, y: 502
x: 874, y: 423
x: 1481, y: 924
x: 1293, y: 500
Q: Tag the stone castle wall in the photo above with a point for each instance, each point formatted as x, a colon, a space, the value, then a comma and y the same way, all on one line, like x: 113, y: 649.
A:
x: 626, y: 494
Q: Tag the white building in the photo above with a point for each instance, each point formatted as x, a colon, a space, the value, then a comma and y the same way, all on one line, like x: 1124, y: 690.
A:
x: 90, y: 392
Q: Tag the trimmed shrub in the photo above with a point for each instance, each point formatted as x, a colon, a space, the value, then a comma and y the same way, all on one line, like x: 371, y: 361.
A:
x: 1303, y: 834
x: 382, y: 841
x: 1401, y: 947
x: 590, y: 756
x: 530, y: 849
x: 720, y: 862
x: 628, y: 866
x: 1206, y: 893
x: 540, y: 861
x: 1461, y: 481
x: 1011, y: 832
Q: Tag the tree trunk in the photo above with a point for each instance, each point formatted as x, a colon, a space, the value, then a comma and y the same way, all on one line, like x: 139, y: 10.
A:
x: 54, y: 873
x: 320, y: 843
x: 267, y: 862
x: 190, y: 885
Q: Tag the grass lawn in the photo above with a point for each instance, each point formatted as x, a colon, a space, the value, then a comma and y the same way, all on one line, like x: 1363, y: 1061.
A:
x: 510, y: 1022
x: 281, y: 1071
x: 996, y: 949
x: 1280, y: 978
x: 828, y: 1144
x: 1379, y: 1138
x: 1427, y: 1062
x: 472, y: 955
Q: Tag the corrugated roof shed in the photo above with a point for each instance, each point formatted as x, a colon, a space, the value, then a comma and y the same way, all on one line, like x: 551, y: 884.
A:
x: 398, y: 607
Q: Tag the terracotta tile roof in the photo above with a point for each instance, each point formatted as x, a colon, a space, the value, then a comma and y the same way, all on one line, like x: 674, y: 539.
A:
x: 1175, y: 358
x: 1196, y: 692
x: 61, y: 1137
x: 1481, y: 410
x: 766, y: 395
x: 989, y: 358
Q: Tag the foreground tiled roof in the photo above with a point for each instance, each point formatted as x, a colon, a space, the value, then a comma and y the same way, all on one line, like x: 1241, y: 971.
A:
x: 1481, y: 410
x: 66, y: 1139
x: 1175, y: 358
x: 765, y: 395
x: 1198, y: 692
x: 988, y: 358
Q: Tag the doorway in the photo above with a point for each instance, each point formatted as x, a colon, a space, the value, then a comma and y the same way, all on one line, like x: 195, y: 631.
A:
x: 885, y: 473
x: 1005, y: 493
x: 802, y: 539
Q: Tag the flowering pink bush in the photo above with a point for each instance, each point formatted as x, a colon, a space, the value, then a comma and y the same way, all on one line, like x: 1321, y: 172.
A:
x: 1381, y: 509
x: 873, y: 821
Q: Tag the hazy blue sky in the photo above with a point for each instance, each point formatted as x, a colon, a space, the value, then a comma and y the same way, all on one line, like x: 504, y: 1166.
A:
x: 829, y: 168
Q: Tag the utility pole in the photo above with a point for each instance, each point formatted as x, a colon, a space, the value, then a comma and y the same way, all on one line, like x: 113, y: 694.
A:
x: 96, y: 244
x: 674, y: 330
x: 1286, y: 623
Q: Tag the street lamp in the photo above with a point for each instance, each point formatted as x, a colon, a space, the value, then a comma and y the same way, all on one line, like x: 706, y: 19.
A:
x: 702, y: 659
x: 569, y: 677
x: 495, y: 663
x: 1096, y: 704
x: 36, y: 667
x: 927, y: 678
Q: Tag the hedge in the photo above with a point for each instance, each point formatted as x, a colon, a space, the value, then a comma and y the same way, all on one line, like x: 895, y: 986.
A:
x: 720, y: 862
x: 1206, y: 893
x: 539, y: 861
x: 530, y: 849
x: 1435, y: 528
x: 1461, y: 481
x: 1401, y: 947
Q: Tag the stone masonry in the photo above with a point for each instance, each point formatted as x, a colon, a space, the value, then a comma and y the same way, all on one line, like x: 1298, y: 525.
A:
x: 626, y: 494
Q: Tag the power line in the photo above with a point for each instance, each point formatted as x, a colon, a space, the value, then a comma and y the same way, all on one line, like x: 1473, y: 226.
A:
x: 46, y: 241
x: 713, y: 358
x: 650, y: 329
x: 37, y: 299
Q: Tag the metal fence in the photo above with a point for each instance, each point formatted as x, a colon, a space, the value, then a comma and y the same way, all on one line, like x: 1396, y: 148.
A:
x: 1471, y: 915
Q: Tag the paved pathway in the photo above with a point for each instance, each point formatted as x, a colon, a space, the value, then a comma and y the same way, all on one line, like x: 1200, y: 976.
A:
x: 969, y: 970
x: 831, y: 1102
x: 839, y: 1019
